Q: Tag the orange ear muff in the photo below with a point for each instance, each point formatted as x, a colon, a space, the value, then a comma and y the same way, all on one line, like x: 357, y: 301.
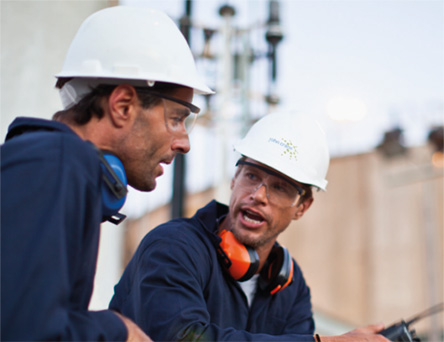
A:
x: 277, y: 272
x: 241, y: 261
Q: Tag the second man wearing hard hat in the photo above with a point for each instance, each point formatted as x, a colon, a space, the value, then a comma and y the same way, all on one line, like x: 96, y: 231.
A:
x: 221, y: 275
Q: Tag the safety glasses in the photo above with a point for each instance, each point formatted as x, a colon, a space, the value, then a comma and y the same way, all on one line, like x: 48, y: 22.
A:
x: 180, y: 116
x: 279, y: 190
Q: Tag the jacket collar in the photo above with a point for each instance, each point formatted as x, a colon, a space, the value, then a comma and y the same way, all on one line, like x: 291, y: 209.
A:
x: 23, y: 125
x: 210, y: 216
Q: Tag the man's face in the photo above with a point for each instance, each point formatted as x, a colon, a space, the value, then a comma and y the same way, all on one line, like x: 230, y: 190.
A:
x: 258, y: 219
x: 150, y: 143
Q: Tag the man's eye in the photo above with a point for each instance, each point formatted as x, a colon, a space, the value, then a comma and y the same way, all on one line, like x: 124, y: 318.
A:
x: 177, y: 119
x: 251, y: 176
x: 282, y: 188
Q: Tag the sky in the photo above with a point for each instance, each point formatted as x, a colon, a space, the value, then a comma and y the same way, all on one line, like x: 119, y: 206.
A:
x: 360, y: 67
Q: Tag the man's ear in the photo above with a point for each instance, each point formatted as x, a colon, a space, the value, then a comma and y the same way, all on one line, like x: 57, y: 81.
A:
x: 122, y: 103
x: 302, y: 208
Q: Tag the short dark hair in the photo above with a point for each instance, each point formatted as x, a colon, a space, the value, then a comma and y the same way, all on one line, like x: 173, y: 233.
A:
x: 91, y: 104
x: 308, y: 192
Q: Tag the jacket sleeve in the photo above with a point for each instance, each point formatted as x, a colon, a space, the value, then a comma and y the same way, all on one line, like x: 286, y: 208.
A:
x: 166, y: 297
x: 49, y: 246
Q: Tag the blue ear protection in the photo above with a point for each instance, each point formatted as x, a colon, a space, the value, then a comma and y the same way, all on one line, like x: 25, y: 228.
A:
x: 113, y: 187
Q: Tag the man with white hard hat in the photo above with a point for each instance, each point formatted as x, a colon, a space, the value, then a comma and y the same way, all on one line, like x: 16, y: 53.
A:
x: 221, y: 275
x: 126, y: 85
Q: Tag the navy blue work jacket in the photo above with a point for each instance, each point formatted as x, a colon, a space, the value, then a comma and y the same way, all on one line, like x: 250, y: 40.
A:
x: 176, y: 289
x: 50, y: 220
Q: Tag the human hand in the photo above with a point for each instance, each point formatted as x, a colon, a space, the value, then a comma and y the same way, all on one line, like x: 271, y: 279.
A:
x: 135, y: 334
x: 365, y: 334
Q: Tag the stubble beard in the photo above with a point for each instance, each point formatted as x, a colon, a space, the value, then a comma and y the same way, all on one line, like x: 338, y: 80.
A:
x: 254, y: 242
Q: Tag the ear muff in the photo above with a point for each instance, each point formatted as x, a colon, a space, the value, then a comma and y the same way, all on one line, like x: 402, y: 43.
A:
x: 241, y: 261
x: 277, y: 272
x: 113, y: 187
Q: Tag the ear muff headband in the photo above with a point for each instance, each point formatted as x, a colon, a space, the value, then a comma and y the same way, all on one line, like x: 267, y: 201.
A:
x: 241, y: 261
x: 277, y: 272
x: 114, y: 177
x: 114, y: 186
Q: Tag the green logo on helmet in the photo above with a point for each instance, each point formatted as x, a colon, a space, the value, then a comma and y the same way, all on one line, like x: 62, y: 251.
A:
x: 290, y: 150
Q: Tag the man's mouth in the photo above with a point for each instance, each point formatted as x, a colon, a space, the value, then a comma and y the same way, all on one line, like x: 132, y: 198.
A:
x: 252, y: 217
x: 167, y: 161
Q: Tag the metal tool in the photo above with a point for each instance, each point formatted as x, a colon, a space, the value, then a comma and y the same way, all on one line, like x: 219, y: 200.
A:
x: 401, y: 331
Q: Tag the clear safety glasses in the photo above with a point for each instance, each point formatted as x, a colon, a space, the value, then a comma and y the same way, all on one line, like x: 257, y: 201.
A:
x: 280, y: 191
x: 179, y: 119
x: 180, y: 116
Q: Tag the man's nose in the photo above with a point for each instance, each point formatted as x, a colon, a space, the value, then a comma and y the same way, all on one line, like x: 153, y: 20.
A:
x: 260, y: 194
x: 181, y: 144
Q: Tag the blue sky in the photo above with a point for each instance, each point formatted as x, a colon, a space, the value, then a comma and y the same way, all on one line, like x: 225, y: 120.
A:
x: 388, y: 55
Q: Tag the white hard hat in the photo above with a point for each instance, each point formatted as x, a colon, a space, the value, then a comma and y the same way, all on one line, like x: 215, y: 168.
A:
x: 292, y: 144
x: 132, y: 44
